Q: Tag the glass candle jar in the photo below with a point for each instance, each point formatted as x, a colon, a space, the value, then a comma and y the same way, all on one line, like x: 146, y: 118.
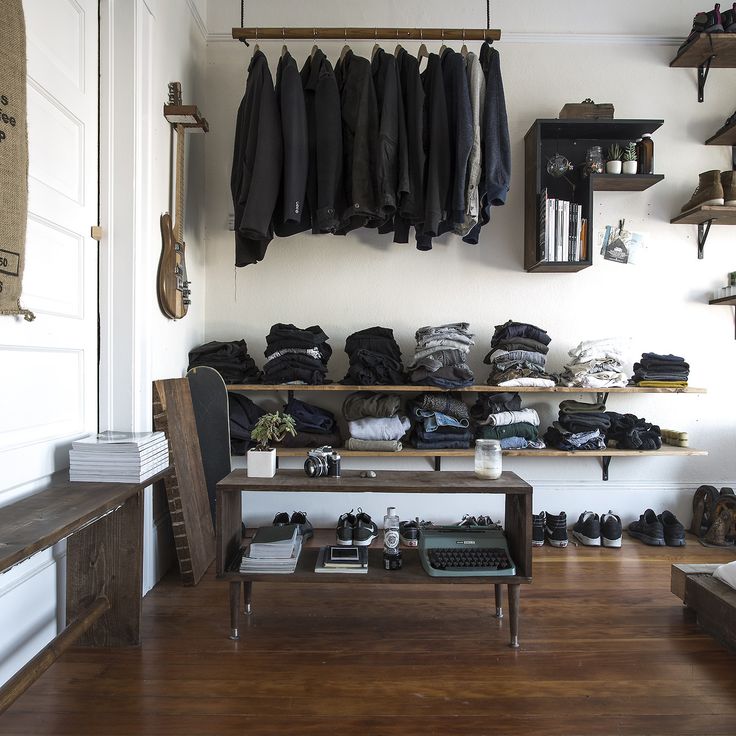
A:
x: 593, y: 161
x: 488, y: 459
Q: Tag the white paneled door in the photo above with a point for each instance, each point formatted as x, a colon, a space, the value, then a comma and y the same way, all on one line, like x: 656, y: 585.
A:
x: 48, y: 368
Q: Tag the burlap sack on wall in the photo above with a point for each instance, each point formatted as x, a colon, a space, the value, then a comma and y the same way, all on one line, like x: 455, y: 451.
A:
x: 13, y: 156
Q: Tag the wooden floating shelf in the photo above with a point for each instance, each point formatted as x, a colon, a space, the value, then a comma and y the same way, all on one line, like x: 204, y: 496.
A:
x: 187, y: 116
x: 718, y: 214
x: 729, y: 301
x: 624, y: 182
x: 559, y: 266
x: 720, y: 46
x: 367, y: 34
x: 726, y: 136
x: 481, y: 388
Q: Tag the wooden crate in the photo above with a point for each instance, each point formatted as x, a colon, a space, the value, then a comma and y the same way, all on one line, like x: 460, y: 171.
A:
x: 587, y: 110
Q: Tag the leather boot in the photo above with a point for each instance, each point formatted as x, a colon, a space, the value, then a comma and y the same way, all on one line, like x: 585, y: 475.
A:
x: 728, y: 182
x: 728, y: 19
x: 708, y: 191
x: 709, y: 21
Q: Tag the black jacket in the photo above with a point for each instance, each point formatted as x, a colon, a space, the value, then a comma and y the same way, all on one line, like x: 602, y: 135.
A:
x: 325, y: 197
x: 359, y: 136
x: 292, y: 216
x: 392, y: 160
x: 411, y: 203
x: 256, y: 171
x: 437, y: 152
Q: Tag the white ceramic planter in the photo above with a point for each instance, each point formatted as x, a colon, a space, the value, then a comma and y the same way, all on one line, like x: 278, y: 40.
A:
x: 629, y: 167
x: 261, y: 464
x: 613, y: 167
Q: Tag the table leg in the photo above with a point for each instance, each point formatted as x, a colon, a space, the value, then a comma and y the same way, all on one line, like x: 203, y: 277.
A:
x: 499, y: 600
x: 247, y: 597
x: 234, y: 608
x: 514, y: 591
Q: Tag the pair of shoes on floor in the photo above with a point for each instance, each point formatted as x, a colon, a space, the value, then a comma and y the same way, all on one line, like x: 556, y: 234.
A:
x: 552, y: 527
x: 714, y: 188
x: 299, y: 518
x: 355, y: 529
x: 712, y: 21
x: 598, y: 531
x: 410, y: 531
x: 658, y: 529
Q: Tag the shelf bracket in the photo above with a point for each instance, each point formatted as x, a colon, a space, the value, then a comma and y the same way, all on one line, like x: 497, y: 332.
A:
x: 703, y: 230
x: 703, y: 70
x: 605, y: 462
x: 438, y: 462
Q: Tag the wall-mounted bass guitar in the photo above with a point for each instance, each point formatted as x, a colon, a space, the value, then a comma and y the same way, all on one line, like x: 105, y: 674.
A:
x: 172, y: 284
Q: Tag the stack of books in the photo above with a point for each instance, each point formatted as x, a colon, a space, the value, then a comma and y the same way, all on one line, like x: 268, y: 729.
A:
x: 563, y: 231
x: 273, y: 549
x: 118, y: 457
x: 339, y: 559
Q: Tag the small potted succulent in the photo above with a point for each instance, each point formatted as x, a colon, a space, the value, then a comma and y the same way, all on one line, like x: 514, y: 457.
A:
x: 268, y: 429
x: 613, y: 162
x: 629, y: 162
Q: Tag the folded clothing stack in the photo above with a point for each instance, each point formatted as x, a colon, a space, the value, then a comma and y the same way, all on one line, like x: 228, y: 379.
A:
x: 442, y: 422
x: 295, y: 355
x: 594, y: 364
x: 664, y: 371
x: 580, y: 426
x: 441, y: 354
x: 518, y: 356
x: 374, y: 422
x: 244, y: 413
x: 229, y: 359
x: 631, y: 433
x: 500, y: 417
x: 315, y: 427
x: 375, y: 358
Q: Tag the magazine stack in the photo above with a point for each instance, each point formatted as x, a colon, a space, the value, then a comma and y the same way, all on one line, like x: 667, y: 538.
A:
x: 272, y: 550
x: 118, y: 457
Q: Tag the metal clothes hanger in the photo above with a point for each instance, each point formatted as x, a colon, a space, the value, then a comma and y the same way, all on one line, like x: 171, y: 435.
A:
x: 345, y: 48
x: 284, y: 49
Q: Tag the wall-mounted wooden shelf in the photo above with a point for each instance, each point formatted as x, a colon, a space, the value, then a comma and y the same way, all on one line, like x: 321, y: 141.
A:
x: 624, y: 182
x: 726, y: 136
x: 729, y: 301
x: 705, y: 51
x: 480, y: 388
x: 705, y: 216
x: 188, y: 116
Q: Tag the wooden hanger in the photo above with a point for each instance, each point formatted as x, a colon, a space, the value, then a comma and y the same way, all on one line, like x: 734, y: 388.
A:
x: 442, y: 49
x: 464, y: 51
x: 256, y: 49
x: 344, y: 51
x: 422, y: 53
x: 284, y: 51
x: 315, y: 49
x: 399, y: 48
x: 373, y: 53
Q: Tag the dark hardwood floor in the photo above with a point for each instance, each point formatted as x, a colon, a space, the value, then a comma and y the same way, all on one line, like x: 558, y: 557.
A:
x: 605, y: 649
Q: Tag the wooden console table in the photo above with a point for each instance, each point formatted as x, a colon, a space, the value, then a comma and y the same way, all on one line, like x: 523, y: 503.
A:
x: 517, y: 526
x: 104, y: 563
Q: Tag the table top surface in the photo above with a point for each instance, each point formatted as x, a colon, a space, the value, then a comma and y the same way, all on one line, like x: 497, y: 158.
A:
x: 403, y: 481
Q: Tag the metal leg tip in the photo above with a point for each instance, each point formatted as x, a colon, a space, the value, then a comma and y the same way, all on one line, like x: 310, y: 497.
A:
x: 499, y: 612
x: 514, y: 642
x: 248, y: 610
x: 234, y: 634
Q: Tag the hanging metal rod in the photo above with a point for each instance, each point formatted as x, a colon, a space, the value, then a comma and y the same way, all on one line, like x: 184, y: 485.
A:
x: 368, y: 34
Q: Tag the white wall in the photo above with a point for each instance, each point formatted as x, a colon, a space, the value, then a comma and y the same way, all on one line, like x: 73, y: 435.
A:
x: 550, y: 54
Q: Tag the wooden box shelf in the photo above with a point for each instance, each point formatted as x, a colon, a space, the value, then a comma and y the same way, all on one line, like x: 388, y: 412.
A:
x: 624, y: 182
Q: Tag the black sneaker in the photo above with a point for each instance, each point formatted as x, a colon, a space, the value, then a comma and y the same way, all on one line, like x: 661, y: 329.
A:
x: 305, y: 526
x: 648, y: 529
x: 538, y: 529
x: 281, y: 519
x: 674, y: 532
x: 364, y: 529
x: 611, y: 532
x: 409, y: 532
x: 709, y: 21
x: 587, y: 529
x: 555, y: 528
x: 728, y: 19
x: 344, y: 530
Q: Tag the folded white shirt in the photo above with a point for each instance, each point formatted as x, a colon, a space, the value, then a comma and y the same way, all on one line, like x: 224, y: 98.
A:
x: 502, y: 418
x: 726, y: 574
x: 379, y: 428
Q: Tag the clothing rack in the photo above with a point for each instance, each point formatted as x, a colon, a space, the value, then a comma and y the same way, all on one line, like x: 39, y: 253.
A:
x: 367, y: 34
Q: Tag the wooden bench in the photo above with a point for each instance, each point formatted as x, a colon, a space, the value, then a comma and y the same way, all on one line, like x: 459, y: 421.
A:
x: 104, y: 563
x: 713, y: 601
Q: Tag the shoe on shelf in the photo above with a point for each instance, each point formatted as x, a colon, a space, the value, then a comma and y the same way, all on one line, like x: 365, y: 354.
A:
x: 587, y: 529
x: 709, y: 191
x: 364, y: 529
x: 345, y: 526
x: 281, y: 519
x: 728, y: 19
x: 674, y: 532
x: 555, y: 528
x: 409, y: 532
x: 728, y: 182
x: 305, y: 526
x: 538, y: 529
x: 611, y: 532
x: 648, y: 529
x: 706, y: 21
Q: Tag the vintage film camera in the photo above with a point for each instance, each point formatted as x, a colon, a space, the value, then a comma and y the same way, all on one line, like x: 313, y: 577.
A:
x: 322, y: 462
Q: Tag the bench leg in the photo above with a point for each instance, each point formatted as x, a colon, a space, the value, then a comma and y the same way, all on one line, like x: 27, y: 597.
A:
x: 234, y: 609
x: 247, y: 597
x: 514, y: 591
x: 499, y: 600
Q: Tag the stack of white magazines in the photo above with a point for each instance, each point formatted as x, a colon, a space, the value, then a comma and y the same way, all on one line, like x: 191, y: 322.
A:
x: 273, y: 550
x: 118, y: 457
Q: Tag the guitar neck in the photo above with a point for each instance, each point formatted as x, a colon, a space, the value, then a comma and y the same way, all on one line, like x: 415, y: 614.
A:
x: 179, y: 187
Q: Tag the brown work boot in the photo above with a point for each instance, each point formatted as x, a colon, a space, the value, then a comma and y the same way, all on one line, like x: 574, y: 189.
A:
x: 708, y: 191
x: 728, y: 182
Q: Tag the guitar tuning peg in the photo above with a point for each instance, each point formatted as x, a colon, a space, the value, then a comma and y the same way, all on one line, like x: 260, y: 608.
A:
x: 186, y: 302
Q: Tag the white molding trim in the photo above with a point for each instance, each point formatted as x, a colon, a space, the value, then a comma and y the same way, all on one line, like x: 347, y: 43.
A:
x: 197, y: 19
x: 623, y: 39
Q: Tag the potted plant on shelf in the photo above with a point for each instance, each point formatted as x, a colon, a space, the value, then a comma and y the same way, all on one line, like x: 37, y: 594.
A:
x: 629, y: 162
x: 268, y: 429
x: 613, y: 163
